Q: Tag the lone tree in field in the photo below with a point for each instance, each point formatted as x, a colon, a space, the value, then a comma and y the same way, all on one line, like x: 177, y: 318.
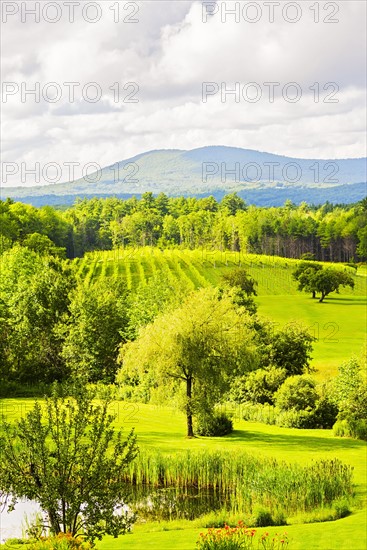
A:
x: 67, y: 456
x: 314, y: 278
x: 303, y: 275
x: 329, y: 280
x: 199, y: 345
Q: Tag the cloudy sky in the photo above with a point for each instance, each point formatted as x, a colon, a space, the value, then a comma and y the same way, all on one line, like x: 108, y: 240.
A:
x: 137, y: 70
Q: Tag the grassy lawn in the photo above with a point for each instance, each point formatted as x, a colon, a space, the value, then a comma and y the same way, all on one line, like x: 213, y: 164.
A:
x: 345, y: 534
x: 339, y: 324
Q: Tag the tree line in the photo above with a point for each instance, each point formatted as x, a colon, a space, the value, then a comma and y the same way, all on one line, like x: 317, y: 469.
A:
x: 336, y: 233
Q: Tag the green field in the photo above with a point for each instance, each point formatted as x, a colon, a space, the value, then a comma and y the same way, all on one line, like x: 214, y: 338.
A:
x: 339, y: 324
x: 163, y: 428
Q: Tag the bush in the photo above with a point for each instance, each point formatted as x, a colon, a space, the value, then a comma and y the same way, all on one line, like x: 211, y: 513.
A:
x: 215, y: 424
x: 341, y: 507
x: 262, y: 517
x: 325, y: 413
x: 351, y: 428
x: 348, y: 380
x: 297, y: 392
x: 295, y: 419
x: 260, y: 385
x: 268, y: 414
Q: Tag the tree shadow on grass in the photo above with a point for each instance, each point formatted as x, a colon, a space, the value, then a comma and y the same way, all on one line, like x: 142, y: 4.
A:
x: 290, y: 441
x: 346, y: 301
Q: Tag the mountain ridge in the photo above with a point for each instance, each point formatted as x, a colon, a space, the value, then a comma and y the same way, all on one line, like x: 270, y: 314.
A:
x: 211, y: 170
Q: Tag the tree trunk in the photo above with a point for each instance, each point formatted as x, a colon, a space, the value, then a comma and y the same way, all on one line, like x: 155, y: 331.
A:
x: 322, y: 297
x: 313, y: 294
x: 55, y: 526
x: 190, y: 429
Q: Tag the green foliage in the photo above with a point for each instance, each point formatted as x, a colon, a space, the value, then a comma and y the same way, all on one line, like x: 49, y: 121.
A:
x: 214, y: 424
x: 298, y: 393
x: 201, y: 344
x: 43, y: 245
x: 351, y: 397
x: 312, y: 277
x: 97, y: 325
x: 348, y: 380
x: 262, y: 517
x: 291, y: 349
x: 322, y: 415
x: 153, y: 298
x: 303, y: 273
x: 288, y: 348
x: 258, y: 386
x: 337, y: 233
x: 243, y: 288
x: 69, y: 458
x: 34, y: 299
x: 351, y: 428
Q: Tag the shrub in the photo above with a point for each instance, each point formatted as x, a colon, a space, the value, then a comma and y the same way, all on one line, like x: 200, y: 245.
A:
x: 260, y: 413
x: 320, y: 417
x: 260, y: 385
x: 348, y: 380
x: 214, y: 424
x: 297, y: 392
x: 325, y: 413
x: 262, y: 517
x: 351, y: 428
x: 352, y: 417
x: 295, y: 419
x: 341, y: 507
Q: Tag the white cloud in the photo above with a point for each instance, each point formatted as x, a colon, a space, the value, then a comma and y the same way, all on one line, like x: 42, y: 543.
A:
x: 169, y: 54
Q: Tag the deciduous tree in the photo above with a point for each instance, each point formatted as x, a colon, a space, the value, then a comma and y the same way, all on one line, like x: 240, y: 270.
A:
x: 67, y: 456
x: 199, y: 345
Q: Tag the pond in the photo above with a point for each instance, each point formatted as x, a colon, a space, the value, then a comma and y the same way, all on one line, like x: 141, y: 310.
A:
x: 146, y: 502
x: 13, y: 524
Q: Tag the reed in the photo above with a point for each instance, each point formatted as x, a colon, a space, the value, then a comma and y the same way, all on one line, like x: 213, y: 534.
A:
x: 246, y: 480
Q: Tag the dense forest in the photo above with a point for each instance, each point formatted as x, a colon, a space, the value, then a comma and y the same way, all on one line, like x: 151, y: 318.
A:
x: 329, y: 232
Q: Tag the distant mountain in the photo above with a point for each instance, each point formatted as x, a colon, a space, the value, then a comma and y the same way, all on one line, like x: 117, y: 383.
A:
x: 260, y: 178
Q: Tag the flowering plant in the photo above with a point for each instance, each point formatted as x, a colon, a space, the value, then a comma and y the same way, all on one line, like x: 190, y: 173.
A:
x: 240, y: 538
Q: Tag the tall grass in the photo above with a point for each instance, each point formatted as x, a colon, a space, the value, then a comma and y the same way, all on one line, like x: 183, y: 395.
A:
x: 246, y: 480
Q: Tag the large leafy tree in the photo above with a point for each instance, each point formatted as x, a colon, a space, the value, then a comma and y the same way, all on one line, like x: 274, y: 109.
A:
x: 98, y: 323
x: 303, y: 274
x: 312, y: 277
x: 287, y: 348
x: 34, y: 297
x: 200, y: 346
x: 330, y: 280
x: 67, y: 456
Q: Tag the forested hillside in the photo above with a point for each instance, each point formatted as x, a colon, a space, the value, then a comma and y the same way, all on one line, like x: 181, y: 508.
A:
x: 328, y: 232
